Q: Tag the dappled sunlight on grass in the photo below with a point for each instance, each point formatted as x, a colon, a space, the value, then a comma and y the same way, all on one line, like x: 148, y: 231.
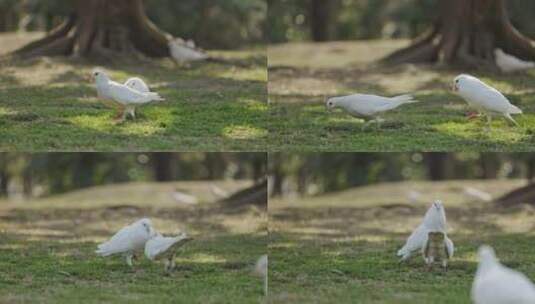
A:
x: 244, y: 132
x: 437, y: 123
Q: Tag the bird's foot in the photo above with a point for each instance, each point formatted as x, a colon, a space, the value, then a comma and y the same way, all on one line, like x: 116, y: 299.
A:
x: 472, y: 115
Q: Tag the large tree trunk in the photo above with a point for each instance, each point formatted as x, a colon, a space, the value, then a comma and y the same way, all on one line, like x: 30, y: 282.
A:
x: 103, y: 28
x: 466, y: 33
x: 320, y: 19
x: 522, y: 195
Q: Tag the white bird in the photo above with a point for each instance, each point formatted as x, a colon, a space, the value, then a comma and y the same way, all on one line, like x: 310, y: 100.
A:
x: 497, y: 284
x: 434, y: 221
x: 509, y: 63
x: 128, y: 240
x: 129, y: 95
x: 368, y: 107
x: 185, y: 51
x: 484, y: 98
x: 261, y: 270
x: 477, y: 194
x: 160, y: 246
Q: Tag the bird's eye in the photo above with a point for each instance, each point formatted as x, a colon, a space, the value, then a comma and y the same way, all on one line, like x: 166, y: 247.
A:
x: 457, y: 81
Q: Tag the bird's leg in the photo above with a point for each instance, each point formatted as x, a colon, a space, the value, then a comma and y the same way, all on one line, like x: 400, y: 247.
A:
x: 166, y: 265
x: 489, y: 121
x: 129, y: 259
x: 365, y: 125
x: 173, y: 263
x: 508, y: 116
x: 120, y: 113
x: 266, y: 285
x: 445, y: 264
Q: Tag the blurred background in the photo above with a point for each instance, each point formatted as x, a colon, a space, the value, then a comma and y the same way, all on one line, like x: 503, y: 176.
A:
x: 213, y: 24
x: 315, y: 174
x: 319, y: 20
x: 29, y: 176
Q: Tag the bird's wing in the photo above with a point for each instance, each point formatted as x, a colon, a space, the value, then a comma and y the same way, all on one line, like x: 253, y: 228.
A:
x: 119, y: 242
x: 125, y: 94
x: 137, y: 84
x: 415, y: 242
x: 366, y: 104
x: 487, y: 97
x: 159, y: 245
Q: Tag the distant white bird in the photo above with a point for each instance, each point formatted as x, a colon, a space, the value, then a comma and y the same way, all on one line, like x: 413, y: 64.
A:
x: 484, y: 98
x: 434, y: 221
x: 219, y: 192
x: 128, y: 240
x: 497, y: 284
x: 129, y: 95
x: 368, y: 107
x: 185, y: 51
x: 261, y: 270
x: 509, y: 63
x: 478, y: 194
x: 165, y: 247
x: 184, y: 198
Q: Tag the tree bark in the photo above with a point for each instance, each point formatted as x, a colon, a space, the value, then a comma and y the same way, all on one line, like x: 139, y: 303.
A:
x: 522, y: 195
x: 466, y: 33
x: 320, y: 19
x: 255, y: 195
x: 164, y: 166
x: 102, y: 28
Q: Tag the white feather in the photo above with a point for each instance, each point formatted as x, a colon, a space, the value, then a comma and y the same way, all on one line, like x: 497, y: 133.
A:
x: 158, y: 245
x: 130, y: 238
x: 434, y: 220
x: 509, y: 63
x: 122, y: 93
x: 483, y: 97
x: 497, y: 284
x: 182, y: 51
x: 368, y: 106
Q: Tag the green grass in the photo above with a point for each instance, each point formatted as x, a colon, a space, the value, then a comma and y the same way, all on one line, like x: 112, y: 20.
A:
x: 340, y: 250
x: 49, y: 104
x: 47, y: 254
x: 302, y: 74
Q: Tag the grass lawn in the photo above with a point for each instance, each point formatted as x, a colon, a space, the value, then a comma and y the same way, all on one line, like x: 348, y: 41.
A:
x: 340, y: 247
x: 302, y: 74
x: 50, y: 104
x: 47, y: 248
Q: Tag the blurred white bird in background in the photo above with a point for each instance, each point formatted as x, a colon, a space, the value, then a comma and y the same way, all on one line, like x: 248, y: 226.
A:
x: 128, y: 240
x: 129, y: 95
x: 161, y: 247
x: 509, y: 63
x: 484, y: 98
x: 185, y: 51
x: 261, y: 270
x: 368, y: 107
x: 434, y: 221
x: 497, y: 284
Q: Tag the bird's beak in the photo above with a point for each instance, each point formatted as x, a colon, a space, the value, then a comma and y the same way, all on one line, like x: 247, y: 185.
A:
x: 454, y: 87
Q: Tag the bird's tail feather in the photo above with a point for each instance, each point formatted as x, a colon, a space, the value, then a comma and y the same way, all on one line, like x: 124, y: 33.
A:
x: 407, y: 98
x: 515, y: 110
x: 155, y: 97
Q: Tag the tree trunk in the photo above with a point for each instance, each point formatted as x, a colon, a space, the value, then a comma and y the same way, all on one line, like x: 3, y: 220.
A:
x: 466, y: 33
x: 255, y: 195
x: 164, y: 166
x: 522, y: 195
x: 320, y: 19
x: 437, y: 165
x: 102, y: 28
